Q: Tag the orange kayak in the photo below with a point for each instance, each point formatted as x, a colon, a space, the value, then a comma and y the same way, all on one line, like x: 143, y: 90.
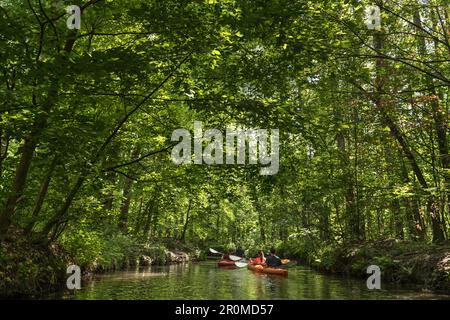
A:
x: 226, y: 263
x: 262, y: 269
x: 283, y: 262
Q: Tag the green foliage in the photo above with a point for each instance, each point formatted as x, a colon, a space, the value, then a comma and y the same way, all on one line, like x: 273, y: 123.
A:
x: 116, y: 251
x: 86, y: 118
x: 158, y: 253
x: 302, y: 245
x: 94, y: 250
x: 325, y: 258
x: 84, y: 247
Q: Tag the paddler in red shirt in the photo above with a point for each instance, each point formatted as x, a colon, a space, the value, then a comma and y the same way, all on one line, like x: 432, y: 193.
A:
x: 260, y: 259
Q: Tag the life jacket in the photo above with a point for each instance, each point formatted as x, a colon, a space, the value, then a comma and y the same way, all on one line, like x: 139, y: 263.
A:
x: 258, y: 260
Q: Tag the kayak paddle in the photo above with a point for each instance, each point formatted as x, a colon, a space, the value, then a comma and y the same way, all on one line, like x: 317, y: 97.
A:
x: 232, y: 257
x: 241, y: 264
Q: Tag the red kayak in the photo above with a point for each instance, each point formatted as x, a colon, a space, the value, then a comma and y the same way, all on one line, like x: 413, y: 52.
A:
x: 226, y: 263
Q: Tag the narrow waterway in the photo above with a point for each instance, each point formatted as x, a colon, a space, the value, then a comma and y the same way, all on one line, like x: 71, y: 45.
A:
x: 206, y: 281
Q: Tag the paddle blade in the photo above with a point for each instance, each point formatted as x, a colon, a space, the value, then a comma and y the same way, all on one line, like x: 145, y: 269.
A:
x: 235, y: 258
x: 285, y: 261
x: 240, y: 264
x: 214, y: 251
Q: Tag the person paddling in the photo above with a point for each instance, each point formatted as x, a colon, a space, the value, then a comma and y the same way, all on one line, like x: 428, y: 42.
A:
x: 273, y: 260
x: 240, y: 252
x: 260, y: 259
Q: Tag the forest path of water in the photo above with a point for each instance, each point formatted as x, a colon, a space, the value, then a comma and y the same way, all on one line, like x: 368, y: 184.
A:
x: 206, y: 281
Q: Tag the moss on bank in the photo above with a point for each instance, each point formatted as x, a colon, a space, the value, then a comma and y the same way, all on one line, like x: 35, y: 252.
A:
x: 27, y: 269
x: 401, y: 262
x: 102, y: 251
x: 31, y: 270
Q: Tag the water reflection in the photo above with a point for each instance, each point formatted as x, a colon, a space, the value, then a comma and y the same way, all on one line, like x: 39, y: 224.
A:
x: 206, y: 281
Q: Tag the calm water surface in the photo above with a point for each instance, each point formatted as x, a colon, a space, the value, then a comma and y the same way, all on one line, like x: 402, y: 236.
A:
x: 206, y: 281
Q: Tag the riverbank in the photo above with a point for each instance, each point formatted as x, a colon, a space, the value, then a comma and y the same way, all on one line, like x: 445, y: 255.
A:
x: 29, y: 270
x: 405, y: 263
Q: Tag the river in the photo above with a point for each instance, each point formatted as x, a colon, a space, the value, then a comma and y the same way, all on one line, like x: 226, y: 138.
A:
x: 198, y: 281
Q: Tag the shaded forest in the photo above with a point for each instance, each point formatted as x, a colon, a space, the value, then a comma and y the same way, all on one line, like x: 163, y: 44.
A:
x: 86, y: 118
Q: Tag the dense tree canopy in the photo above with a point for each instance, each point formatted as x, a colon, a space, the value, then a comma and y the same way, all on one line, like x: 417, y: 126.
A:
x: 86, y: 118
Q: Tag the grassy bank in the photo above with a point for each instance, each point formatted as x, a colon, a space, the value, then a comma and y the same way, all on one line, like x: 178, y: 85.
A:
x: 401, y: 262
x: 28, y: 269
x: 96, y: 251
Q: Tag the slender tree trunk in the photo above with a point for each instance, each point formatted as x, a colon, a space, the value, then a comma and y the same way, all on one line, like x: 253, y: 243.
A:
x: 359, y: 217
x: 41, y: 196
x: 325, y: 223
x: 110, y: 176
x: 339, y: 219
x: 441, y: 126
x: 29, y: 145
x: 218, y: 224
x: 397, y: 219
x: 4, y: 146
x: 127, y: 194
x: 18, y: 186
x: 149, y: 214
x: 186, y: 222
x: 395, y: 208
x: 259, y: 212
x: 381, y: 66
x: 108, y: 198
x: 61, y: 215
x: 125, y: 207
x: 139, y: 217
x: 352, y: 218
x: 416, y: 224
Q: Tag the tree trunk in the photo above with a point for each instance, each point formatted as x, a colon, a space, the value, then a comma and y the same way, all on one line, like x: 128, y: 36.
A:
x: 125, y: 207
x: 397, y: 219
x: 149, y: 214
x: 438, y: 234
x: 325, y: 230
x: 41, y: 196
x: 259, y: 212
x: 139, y: 217
x: 183, y: 234
x: 416, y: 225
x: 351, y: 215
x: 18, y: 186
x: 29, y: 145
x: 440, y: 127
x: 441, y: 123
x: 60, y: 216
x: 4, y: 146
x: 108, y: 198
